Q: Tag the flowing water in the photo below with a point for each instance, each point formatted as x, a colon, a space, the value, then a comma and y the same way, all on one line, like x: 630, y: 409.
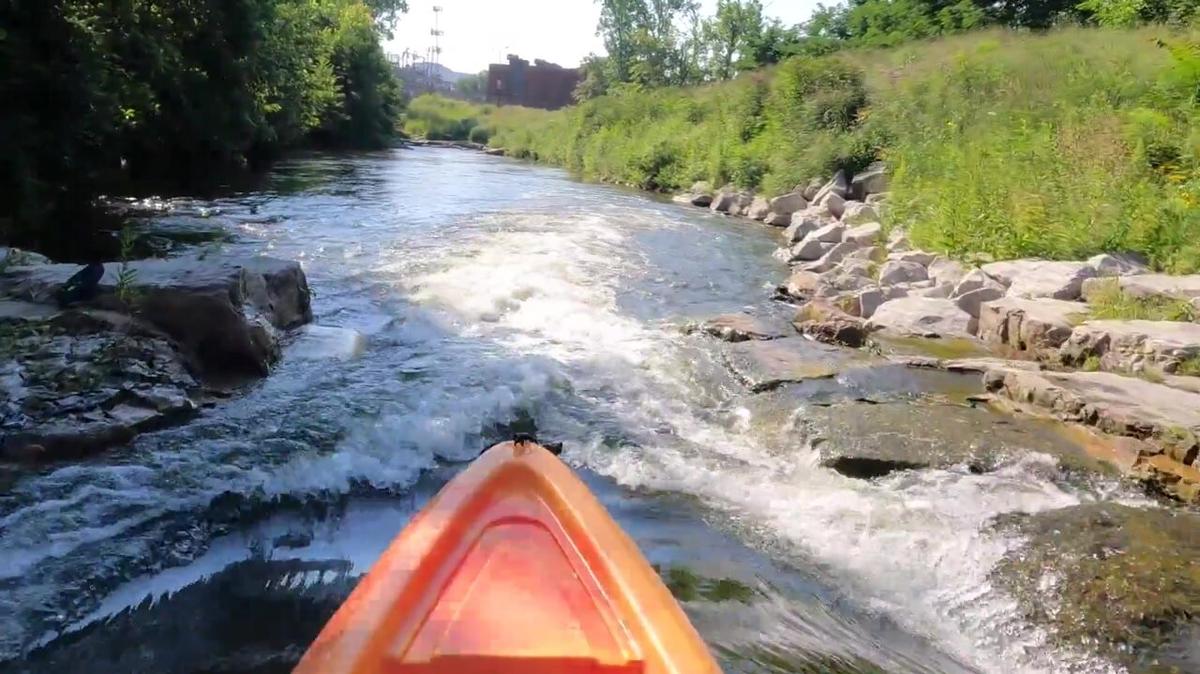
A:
x: 493, y: 297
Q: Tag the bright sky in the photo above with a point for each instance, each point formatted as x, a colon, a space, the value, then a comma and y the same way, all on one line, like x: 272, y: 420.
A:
x: 479, y: 32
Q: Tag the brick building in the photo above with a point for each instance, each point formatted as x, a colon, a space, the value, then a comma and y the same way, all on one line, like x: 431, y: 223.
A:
x: 542, y: 85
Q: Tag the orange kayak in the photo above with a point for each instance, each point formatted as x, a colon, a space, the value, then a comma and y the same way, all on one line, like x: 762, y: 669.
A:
x: 513, y: 568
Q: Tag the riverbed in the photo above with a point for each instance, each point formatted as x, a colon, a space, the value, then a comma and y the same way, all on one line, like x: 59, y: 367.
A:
x: 472, y: 297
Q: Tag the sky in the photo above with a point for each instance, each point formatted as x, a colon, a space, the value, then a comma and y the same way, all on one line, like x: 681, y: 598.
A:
x: 479, y: 32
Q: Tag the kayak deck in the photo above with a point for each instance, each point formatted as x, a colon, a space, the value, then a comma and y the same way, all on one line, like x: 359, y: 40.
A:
x: 514, y: 567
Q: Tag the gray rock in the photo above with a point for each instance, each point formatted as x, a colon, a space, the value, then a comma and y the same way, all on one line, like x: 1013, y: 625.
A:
x: 765, y: 365
x: 1148, y: 285
x: 831, y: 259
x: 858, y: 213
x: 869, y: 253
x: 742, y: 327
x: 918, y: 256
x: 1041, y: 278
x: 788, y: 204
x: 1119, y: 264
x: 1134, y: 346
x: 976, y: 280
x: 15, y: 257
x: 869, y: 299
x: 973, y: 300
x: 838, y: 186
x: 1037, y: 326
x: 221, y: 312
x: 1113, y: 403
x: 864, y: 235
x: 759, y: 208
x: 18, y: 311
x: 825, y: 322
x: 923, y: 317
x: 811, y: 189
x: 778, y: 219
x: 871, y: 181
x: 724, y: 201
x: 937, y: 291
x: 894, y: 272
x: 808, y: 250
x: 878, y: 200
x: 831, y: 233
x: 945, y: 270
x: 802, y: 284
x: 898, y: 241
x: 805, y: 222
x: 834, y: 203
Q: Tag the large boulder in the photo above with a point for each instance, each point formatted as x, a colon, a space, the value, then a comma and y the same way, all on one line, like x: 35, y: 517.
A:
x: 898, y: 241
x: 1041, y: 278
x: 838, y: 186
x: 701, y: 194
x: 858, y: 213
x: 972, y: 301
x: 1134, y: 346
x: 788, y: 203
x: 945, y: 270
x: 808, y: 250
x: 923, y: 317
x: 871, y: 181
x: 1038, y: 326
x: 918, y: 256
x: 834, y: 203
x: 222, y: 313
x: 831, y: 259
x: 759, y: 208
x: 827, y: 323
x: 725, y: 201
x: 894, y: 271
x: 831, y: 233
x: 865, y: 235
x: 805, y: 222
x: 802, y: 284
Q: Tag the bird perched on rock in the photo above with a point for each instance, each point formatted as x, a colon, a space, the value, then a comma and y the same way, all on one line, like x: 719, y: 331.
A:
x: 82, y: 286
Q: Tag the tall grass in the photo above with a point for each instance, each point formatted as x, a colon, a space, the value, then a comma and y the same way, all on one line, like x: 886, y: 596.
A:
x: 1057, y: 145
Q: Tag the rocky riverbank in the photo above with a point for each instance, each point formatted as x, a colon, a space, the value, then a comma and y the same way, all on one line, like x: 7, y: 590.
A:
x: 152, y: 343
x: 1085, y: 342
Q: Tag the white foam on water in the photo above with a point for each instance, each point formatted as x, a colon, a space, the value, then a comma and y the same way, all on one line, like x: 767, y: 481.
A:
x: 918, y: 545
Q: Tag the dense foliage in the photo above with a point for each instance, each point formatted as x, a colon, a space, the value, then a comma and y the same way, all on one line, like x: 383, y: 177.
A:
x: 666, y: 42
x: 992, y: 151
x: 99, y: 89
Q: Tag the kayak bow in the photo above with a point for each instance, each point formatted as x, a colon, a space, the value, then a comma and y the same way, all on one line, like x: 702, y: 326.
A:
x: 513, y: 568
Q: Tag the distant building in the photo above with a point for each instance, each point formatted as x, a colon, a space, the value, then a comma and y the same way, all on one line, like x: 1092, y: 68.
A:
x: 542, y: 85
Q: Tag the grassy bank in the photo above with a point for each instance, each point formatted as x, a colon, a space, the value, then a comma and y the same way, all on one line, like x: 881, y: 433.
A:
x: 1011, y: 144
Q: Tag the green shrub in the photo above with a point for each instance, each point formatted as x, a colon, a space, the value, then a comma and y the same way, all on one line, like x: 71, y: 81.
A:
x: 479, y: 134
x: 1109, y: 302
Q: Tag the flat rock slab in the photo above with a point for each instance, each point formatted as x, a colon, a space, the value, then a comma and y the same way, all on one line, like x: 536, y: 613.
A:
x: 222, y: 312
x: 1150, y: 285
x: 1041, y: 278
x: 765, y: 365
x: 865, y: 440
x: 964, y: 365
x: 923, y: 317
x: 1034, y: 325
x: 1113, y: 403
x: 1134, y: 346
x: 742, y: 327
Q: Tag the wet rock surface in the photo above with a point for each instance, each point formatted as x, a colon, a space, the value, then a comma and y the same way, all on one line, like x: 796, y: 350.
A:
x: 765, y: 365
x: 1119, y: 579
x: 742, y: 327
x: 86, y: 380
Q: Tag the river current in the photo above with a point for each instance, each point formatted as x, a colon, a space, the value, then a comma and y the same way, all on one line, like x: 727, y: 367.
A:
x: 467, y: 298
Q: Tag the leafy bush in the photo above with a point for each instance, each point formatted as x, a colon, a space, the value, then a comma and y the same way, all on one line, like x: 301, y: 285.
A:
x: 479, y: 134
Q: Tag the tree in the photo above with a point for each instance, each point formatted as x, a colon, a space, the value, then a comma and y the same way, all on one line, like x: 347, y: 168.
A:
x: 736, y: 25
x: 595, y: 80
x: 473, y: 87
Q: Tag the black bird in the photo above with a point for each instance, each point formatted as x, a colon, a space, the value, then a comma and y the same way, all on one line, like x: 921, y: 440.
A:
x: 82, y: 286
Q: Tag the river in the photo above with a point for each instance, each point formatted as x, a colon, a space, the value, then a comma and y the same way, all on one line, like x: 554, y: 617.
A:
x: 494, y: 297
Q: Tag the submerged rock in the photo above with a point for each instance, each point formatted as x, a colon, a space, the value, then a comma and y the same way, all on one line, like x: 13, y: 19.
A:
x: 765, y: 365
x: 743, y: 327
x: 1120, y: 580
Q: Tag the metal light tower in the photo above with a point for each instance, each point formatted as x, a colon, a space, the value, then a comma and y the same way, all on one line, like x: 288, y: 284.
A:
x: 436, y: 51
